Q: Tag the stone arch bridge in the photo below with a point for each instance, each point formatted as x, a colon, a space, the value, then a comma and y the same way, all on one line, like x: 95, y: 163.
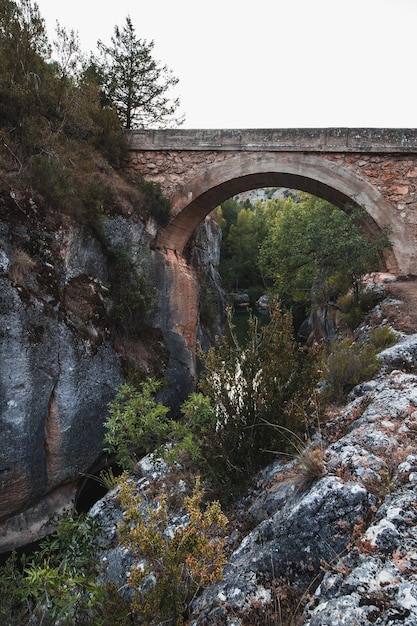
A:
x: 199, y: 169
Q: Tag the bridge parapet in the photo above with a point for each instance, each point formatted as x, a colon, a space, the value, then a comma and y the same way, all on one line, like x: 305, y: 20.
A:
x: 382, y: 140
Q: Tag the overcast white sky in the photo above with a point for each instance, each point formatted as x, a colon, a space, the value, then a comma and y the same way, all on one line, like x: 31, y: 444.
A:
x: 270, y: 63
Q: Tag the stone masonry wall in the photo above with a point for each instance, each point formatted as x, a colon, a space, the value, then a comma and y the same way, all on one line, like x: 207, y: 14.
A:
x: 395, y: 176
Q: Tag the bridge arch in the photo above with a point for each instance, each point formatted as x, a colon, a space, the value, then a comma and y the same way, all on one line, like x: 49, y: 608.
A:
x: 311, y: 173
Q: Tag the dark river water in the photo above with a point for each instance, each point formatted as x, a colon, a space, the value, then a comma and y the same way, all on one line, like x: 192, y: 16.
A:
x: 240, y: 320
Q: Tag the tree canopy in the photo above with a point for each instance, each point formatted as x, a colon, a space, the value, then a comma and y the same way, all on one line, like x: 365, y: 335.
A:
x: 134, y: 82
x: 244, y: 227
x: 314, y: 243
x: 42, y: 97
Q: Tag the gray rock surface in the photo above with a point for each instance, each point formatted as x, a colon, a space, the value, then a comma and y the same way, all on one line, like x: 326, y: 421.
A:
x: 346, y: 546
x: 61, y: 361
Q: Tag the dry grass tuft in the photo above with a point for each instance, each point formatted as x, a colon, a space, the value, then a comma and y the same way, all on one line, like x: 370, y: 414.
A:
x: 22, y: 265
x: 310, y: 466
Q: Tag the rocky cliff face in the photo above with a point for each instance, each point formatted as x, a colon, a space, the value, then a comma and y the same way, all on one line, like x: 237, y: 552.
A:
x: 336, y: 548
x: 61, y: 357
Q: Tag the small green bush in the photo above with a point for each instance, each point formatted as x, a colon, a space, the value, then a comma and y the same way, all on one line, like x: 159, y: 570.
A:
x: 352, y: 309
x: 179, y: 562
x: 52, y: 180
x: 109, y: 137
x: 382, y: 337
x: 155, y: 203
x: 56, y: 584
x: 261, y: 399
x: 348, y: 364
x: 12, y: 610
x: 135, y: 422
x: 351, y: 318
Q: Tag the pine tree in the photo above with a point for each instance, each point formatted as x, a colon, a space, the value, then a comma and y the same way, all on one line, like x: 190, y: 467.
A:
x: 134, y: 82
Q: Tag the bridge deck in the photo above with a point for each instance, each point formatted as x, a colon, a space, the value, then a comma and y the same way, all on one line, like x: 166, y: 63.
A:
x: 376, y: 140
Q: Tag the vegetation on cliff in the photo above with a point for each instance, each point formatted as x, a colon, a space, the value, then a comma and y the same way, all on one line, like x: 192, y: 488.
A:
x: 176, y: 536
x: 62, y: 143
x: 62, y: 118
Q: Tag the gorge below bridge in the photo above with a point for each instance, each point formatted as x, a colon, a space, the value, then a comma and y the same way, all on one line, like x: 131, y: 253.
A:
x: 199, y: 169
x: 59, y: 367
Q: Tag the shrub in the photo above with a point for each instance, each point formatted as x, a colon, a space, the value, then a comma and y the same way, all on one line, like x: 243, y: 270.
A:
x: 348, y: 364
x: 94, y: 197
x: 56, y: 584
x: 109, y: 137
x: 352, y: 317
x: 353, y: 307
x: 12, y: 610
x: 135, y: 422
x: 53, y: 181
x: 156, y: 205
x: 350, y: 311
x: 382, y: 337
x: 259, y: 394
x: 174, y: 563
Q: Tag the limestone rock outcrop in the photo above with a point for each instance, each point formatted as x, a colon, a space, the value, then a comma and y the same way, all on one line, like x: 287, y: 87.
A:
x: 344, y: 544
x: 61, y: 360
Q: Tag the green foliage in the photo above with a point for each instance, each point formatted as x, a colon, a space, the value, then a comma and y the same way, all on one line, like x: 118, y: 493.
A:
x: 351, y: 362
x: 252, y: 403
x: 175, y: 564
x: 76, y: 540
x: 134, y: 82
x: 135, y: 422
x: 108, y: 136
x: 351, y: 311
x: 52, y: 180
x: 228, y: 212
x: 156, y: 205
x: 313, y: 246
x: 49, y: 110
x: 24, y: 74
x: 131, y: 294
x: 348, y: 364
x: 56, y: 584
x: 382, y: 337
x: 197, y: 430
x: 353, y: 307
x: 243, y: 231
x: 12, y: 609
x: 259, y: 395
